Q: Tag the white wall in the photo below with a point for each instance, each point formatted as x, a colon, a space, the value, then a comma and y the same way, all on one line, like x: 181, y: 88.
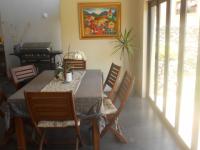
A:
x: 140, y: 57
x: 99, y: 51
x: 20, y: 15
x: 23, y: 18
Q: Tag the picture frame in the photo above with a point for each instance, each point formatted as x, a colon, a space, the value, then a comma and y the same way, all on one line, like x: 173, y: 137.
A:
x: 99, y: 20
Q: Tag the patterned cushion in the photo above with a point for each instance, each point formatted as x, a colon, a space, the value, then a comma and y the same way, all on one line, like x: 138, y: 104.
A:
x: 108, y: 107
x: 105, y: 95
x: 54, y: 124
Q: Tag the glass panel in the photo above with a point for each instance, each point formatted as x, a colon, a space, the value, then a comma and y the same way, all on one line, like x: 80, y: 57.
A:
x: 189, y: 71
x: 153, y: 51
x: 161, y: 56
x: 173, y: 63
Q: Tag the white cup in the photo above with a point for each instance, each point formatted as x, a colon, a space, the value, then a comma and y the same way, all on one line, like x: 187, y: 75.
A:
x: 69, y: 76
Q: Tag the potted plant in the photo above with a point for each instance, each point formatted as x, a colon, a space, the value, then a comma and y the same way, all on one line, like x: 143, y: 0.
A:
x: 59, y: 71
x: 68, y: 73
x: 124, y: 44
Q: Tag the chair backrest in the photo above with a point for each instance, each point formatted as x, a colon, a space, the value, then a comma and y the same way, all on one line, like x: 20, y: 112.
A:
x: 124, y: 90
x: 23, y: 73
x: 50, y: 106
x: 75, y: 64
x: 112, y: 77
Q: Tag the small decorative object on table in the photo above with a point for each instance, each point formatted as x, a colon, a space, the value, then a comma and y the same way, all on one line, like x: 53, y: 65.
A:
x: 79, y: 55
x: 68, y: 73
x: 59, y: 72
x: 76, y: 55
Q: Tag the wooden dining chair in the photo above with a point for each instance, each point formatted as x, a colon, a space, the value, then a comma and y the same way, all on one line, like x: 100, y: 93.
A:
x: 111, y: 80
x: 52, y: 110
x: 21, y: 75
x: 111, y: 112
x: 75, y: 64
x: 8, y: 133
x: 2, y: 100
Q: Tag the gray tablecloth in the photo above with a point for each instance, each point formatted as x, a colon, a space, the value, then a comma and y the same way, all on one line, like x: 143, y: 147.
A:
x: 88, y: 97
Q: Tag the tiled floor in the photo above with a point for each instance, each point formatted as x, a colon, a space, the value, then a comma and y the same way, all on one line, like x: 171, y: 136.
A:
x: 140, y: 124
x: 143, y: 129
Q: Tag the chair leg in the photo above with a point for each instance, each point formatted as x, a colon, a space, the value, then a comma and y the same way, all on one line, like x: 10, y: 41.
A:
x: 103, y: 132
x: 1, y: 114
x: 77, y: 143
x: 78, y: 135
x: 42, y: 141
x: 8, y: 134
x: 117, y: 131
x: 106, y: 129
x: 119, y: 135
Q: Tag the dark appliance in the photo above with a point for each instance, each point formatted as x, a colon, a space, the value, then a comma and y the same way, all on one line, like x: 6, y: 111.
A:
x: 40, y: 54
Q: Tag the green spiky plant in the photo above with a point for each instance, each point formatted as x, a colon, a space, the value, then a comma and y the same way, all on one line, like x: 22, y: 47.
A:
x: 124, y: 44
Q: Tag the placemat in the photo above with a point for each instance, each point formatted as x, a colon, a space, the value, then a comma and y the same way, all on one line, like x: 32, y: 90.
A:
x: 57, y: 85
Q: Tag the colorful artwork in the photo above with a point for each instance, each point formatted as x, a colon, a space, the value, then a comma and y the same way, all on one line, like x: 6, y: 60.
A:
x: 99, y: 20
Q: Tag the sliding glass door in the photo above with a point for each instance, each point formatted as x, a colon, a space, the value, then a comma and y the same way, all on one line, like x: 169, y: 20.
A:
x: 189, y: 70
x: 174, y: 49
x: 172, y: 63
x: 153, y: 52
x: 161, y: 55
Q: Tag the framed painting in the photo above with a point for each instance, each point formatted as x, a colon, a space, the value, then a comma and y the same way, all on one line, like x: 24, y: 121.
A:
x: 99, y: 20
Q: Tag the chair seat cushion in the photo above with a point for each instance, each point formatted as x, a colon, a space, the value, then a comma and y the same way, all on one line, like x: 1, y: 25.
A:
x: 55, y: 124
x: 105, y: 95
x: 108, y: 107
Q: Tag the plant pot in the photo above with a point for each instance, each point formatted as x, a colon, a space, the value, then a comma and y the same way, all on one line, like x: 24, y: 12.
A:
x: 69, y: 77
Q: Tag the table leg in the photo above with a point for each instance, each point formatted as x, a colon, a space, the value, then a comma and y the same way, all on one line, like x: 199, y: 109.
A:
x: 19, y: 129
x: 8, y: 133
x: 96, y: 135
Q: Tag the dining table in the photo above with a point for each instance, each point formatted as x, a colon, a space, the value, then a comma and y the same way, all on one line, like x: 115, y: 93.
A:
x: 87, y: 88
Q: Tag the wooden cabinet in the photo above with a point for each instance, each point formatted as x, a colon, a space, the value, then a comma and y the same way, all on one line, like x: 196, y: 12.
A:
x: 2, y: 60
